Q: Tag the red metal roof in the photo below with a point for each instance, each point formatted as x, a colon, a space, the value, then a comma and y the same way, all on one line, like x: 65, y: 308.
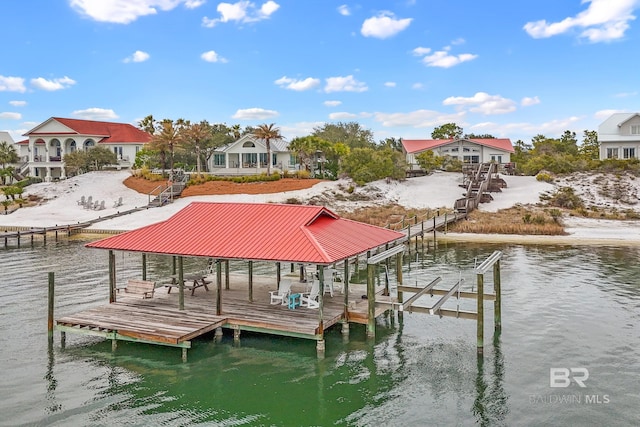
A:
x: 254, y: 231
x: 114, y: 133
x: 418, y: 145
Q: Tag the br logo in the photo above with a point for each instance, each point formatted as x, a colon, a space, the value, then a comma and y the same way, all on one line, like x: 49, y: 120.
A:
x: 562, y: 377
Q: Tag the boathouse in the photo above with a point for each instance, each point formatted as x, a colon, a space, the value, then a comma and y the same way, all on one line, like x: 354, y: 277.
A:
x: 298, y: 235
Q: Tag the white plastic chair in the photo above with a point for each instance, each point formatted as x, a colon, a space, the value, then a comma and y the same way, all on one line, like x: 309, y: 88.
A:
x: 280, y: 296
x: 309, y: 300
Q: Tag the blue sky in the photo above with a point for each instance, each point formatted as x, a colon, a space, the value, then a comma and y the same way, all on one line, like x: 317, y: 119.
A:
x: 513, y: 69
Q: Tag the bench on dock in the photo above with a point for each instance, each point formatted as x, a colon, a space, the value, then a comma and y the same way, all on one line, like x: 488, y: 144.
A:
x: 143, y: 288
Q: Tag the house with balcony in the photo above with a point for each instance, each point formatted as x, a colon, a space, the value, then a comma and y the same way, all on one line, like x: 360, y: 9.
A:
x: 44, y: 150
x: 467, y: 150
x: 248, y: 156
x: 619, y: 136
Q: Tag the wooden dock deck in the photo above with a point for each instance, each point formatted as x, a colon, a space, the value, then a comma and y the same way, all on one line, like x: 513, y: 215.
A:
x: 158, y: 320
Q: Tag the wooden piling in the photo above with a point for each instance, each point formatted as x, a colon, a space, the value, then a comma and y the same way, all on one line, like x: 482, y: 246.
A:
x: 371, y: 300
x: 180, y: 282
x: 226, y: 274
x: 112, y: 277
x: 480, y: 321
x: 251, y: 281
x: 219, y: 286
x: 497, y: 309
x: 399, y: 281
x: 50, y: 311
x: 144, y: 266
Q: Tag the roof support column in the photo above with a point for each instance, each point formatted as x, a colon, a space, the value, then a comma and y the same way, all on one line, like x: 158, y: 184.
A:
x: 251, y: 281
x: 371, y: 300
x: 219, y: 287
x: 180, y: 283
x: 320, y: 270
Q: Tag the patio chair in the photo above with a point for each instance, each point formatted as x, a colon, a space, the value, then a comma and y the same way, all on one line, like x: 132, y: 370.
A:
x: 118, y: 202
x: 82, y: 201
x: 88, y: 204
x: 280, y: 296
x: 99, y: 206
x: 309, y: 300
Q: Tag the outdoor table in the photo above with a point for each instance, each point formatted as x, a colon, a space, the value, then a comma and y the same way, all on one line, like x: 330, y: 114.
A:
x: 294, y: 301
x: 198, y: 281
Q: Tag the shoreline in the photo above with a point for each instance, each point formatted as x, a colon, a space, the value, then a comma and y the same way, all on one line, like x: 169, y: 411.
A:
x: 522, y: 239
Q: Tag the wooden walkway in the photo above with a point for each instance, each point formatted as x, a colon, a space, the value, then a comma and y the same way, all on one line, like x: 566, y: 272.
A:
x: 158, y: 320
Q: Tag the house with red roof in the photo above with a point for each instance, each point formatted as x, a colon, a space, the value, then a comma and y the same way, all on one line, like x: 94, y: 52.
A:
x: 467, y: 150
x: 44, y: 150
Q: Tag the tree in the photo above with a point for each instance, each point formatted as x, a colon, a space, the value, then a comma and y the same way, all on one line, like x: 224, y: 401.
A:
x: 392, y: 143
x: 351, y: 134
x: 367, y: 164
x: 148, y: 124
x: 590, y: 145
x: 304, y: 148
x: 479, y: 136
x: 429, y: 161
x: 447, y: 131
x: 164, y: 141
x: 8, y: 154
x: 267, y: 133
x: 195, y: 135
x: 221, y: 135
x: 101, y: 156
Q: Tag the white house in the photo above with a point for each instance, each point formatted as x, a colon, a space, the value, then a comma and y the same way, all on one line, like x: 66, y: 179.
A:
x: 248, y: 156
x: 472, y: 150
x: 619, y: 136
x: 44, y: 150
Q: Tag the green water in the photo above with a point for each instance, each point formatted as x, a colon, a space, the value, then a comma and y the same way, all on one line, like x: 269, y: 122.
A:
x: 563, y: 307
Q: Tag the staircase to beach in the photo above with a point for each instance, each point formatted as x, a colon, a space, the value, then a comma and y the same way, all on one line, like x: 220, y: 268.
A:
x: 164, y: 194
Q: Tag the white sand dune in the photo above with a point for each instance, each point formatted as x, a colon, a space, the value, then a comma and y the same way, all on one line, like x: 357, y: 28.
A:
x: 60, y: 207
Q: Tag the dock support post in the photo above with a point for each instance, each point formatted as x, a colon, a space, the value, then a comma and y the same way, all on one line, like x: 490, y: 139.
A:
x: 236, y: 335
x: 44, y: 235
x: 345, y: 329
x: 218, y: 335
x: 345, y: 288
x: 112, y: 277
x: 251, y: 281
x: 144, y: 266
x: 278, y: 274
x: 399, y: 281
x: 371, y: 300
x: 50, y: 312
x: 497, y: 309
x: 219, y: 287
x: 320, y: 348
x: 184, y: 355
x: 480, y: 320
x: 320, y: 270
x: 226, y: 274
x: 180, y: 282
x: 63, y: 339
x: 173, y: 270
x: 114, y: 344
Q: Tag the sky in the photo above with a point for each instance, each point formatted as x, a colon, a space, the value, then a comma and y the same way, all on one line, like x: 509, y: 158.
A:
x: 512, y: 69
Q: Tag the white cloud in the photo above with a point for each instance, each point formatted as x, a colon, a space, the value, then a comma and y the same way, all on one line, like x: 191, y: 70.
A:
x: 52, y: 85
x: 421, y: 51
x: 18, y: 103
x: 255, y: 114
x: 193, y: 4
x: 458, y: 41
x: 332, y: 103
x: 442, y: 58
x: 125, y: 11
x: 12, y: 84
x: 344, y: 84
x: 384, y: 25
x: 603, y: 20
x: 418, y: 118
x: 212, y: 56
x: 625, y: 94
x: 242, y: 11
x: 344, y: 10
x: 10, y: 116
x: 297, y: 85
x: 417, y: 86
x: 342, y: 116
x: 528, y: 101
x: 95, y: 114
x: 299, y: 129
x: 137, y: 56
x: 605, y: 114
x: 390, y: 84
x: 483, y: 103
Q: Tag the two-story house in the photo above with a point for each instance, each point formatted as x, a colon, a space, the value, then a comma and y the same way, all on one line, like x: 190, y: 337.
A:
x: 619, y: 136
x: 44, y: 150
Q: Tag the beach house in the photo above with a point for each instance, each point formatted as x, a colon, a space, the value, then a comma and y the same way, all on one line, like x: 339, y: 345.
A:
x: 619, y: 136
x: 43, y: 152
x: 467, y: 150
x: 248, y: 156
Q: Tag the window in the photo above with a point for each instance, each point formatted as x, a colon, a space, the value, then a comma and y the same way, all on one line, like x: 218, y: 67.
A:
x: 496, y: 158
x: 612, y: 153
x: 635, y: 129
x: 454, y: 150
x: 219, y: 160
x: 471, y: 159
x: 628, y: 153
x: 249, y: 160
x: 249, y: 144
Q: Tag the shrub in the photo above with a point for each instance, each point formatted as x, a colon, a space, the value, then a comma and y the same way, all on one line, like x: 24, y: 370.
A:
x: 544, y: 176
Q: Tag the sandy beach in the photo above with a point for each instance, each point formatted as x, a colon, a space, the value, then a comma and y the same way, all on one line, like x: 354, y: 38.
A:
x: 59, y: 205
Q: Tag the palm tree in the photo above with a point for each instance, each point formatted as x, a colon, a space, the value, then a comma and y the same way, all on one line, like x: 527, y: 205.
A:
x: 8, y: 153
x: 267, y: 132
x: 165, y: 141
x: 196, y: 135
